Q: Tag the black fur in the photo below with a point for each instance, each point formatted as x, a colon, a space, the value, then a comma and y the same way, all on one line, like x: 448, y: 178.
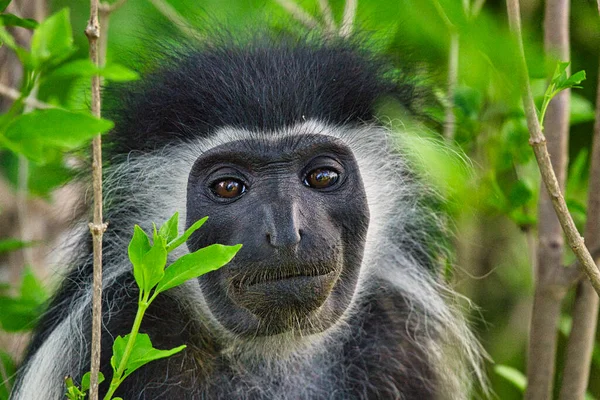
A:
x: 265, y: 85
x: 262, y: 85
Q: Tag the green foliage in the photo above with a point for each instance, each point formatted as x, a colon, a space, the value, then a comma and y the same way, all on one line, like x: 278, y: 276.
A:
x: 44, y: 137
x: 19, y: 313
x: 75, y: 393
x: 13, y: 20
x: 559, y: 82
x: 148, y: 259
x: 514, y: 376
x: 38, y: 134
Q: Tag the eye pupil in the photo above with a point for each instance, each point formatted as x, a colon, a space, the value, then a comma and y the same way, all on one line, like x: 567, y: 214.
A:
x: 321, y: 178
x: 228, y: 188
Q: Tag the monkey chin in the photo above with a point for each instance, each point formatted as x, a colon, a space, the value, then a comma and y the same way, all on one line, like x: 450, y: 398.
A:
x: 299, y: 300
x: 287, y: 303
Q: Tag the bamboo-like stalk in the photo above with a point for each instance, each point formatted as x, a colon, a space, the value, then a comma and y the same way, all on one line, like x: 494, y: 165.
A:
x: 452, y: 80
x: 97, y: 227
x: 549, y: 287
x: 299, y: 14
x: 538, y: 142
x: 585, y: 310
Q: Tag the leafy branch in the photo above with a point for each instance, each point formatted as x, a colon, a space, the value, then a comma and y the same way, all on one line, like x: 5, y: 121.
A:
x: 559, y: 82
x: 134, y: 350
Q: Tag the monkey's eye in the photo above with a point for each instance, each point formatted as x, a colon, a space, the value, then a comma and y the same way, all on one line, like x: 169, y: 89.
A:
x: 228, y: 188
x: 321, y: 178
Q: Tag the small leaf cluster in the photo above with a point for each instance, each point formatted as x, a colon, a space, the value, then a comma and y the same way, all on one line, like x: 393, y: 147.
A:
x: 559, y: 82
x: 149, y: 258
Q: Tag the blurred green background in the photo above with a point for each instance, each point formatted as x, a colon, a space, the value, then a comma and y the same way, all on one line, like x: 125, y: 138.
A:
x: 487, y: 173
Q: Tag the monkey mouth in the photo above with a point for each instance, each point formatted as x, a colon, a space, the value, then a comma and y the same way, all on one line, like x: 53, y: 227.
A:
x: 268, y: 274
x: 268, y: 292
x: 277, y: 276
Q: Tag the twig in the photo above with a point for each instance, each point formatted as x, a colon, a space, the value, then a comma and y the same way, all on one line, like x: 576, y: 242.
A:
x: 538, y: 142
x: 585, y: 310
x: 109, y: 8
x: 327, y: 16
x: 97, y: 227
x: 348, y: 19
x: 449, y: 117
x: 476, y: 9
x: 176, y: 19
x: 15, y: 94
x: 297, y: 12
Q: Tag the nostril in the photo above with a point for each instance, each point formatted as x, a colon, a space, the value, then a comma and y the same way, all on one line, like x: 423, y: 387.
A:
x: 269, y: 238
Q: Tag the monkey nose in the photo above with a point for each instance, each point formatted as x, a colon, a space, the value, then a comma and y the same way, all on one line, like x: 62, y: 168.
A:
x: 282, y: 238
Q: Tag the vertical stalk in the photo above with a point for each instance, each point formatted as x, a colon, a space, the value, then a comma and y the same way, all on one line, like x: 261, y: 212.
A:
x: 97, y: 228
x: 449, y: 118
x: 549, y: 290
x: 585, y: 311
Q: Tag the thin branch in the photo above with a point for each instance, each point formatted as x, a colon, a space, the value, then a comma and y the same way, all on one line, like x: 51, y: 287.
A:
x: 97, y: 227
x: 449, y: 117
x: 107, y: 8
x: 585, y: 310
x: 328, y: 16
x: 297, y: 12
x: 176, y: 19
x: 30, y: 101
x: 348, y: 19
x: 476, y: 9
x: 538, y: 142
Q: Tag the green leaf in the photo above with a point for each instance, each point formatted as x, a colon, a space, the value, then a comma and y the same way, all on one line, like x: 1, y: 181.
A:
x: 118, y: 73
x: 18, y: 314
x: 520, y: 193
x: 561, y: 81
x: 138, y: 247
x: 52, y: 41
x: 180, y: 240
x: 141, y: 354
x: 153, y: 263
x: 34, y: 134
x: 32, y: 288
x: 512, y: 375
x: 86, y: 68
x: 7, y: 39
x: 85, y: 380
x: 582, y: 109
x: 196, y: 264
x: 13, y: 20
x: 8, y: 245
x: 4, y: 4
x: 169, y: 229
x: 573, y: 80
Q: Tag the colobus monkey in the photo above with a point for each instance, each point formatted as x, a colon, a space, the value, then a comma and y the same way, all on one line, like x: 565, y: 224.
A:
x: 334, y: 294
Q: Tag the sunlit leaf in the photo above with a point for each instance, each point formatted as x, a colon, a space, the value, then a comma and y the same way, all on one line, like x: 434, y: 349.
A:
x: 513, y: 375
x: 180, y: 240
x: 169, y: 229
x: 141, y: 354
x: 52, y: 41
x: 196, y: 264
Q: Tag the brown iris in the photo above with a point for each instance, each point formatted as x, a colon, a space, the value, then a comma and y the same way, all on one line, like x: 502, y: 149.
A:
x: 228, y: 188
x: 321, y: 178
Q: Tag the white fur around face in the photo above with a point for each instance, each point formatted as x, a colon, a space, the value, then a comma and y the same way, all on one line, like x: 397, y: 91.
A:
x: 156, y: 187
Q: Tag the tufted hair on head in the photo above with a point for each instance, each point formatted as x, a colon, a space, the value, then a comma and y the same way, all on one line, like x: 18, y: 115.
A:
x: 264, y: 84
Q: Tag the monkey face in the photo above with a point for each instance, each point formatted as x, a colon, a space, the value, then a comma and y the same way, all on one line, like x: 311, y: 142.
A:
x: 298, y: 206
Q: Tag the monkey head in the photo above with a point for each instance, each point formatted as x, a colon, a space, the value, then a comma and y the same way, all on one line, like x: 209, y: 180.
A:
x: 298, y: 206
